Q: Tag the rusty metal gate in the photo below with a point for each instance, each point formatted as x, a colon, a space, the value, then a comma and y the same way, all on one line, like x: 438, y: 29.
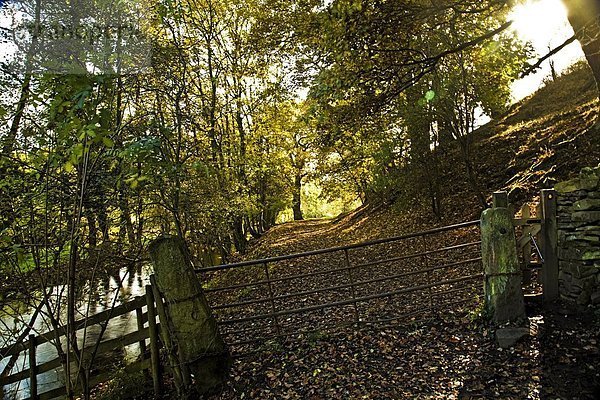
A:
x: 382, y: 282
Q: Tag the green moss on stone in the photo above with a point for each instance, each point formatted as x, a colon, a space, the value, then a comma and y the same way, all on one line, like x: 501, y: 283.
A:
x: 591, y: 255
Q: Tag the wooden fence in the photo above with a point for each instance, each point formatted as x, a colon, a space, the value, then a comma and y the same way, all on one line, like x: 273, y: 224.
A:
x: 537, y: 243
x: 148, y: 329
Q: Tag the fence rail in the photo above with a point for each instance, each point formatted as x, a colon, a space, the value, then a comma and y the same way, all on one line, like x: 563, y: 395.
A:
x: 34, y: 368
x: 98, y: 318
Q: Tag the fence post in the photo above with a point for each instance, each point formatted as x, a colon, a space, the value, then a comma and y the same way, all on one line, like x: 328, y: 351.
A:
x: 503, y: 293
x: 526, y: 251
x: 154, y: 355
x: 33, y: 389
x: 166, y: 338
x: 140, y: 326
x: 549, y: 235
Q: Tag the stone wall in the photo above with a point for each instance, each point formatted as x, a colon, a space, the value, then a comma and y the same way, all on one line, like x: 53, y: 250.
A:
x: 578, y: 222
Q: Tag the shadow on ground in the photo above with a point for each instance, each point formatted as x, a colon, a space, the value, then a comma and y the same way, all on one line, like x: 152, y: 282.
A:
x: 450, y: 357
x: 560, y: 360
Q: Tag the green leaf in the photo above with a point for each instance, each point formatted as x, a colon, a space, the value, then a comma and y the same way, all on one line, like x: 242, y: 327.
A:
x: 108, y: 142
x: 78, y: 151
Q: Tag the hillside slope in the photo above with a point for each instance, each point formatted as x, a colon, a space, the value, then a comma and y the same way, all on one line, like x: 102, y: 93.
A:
x: 546, y: 138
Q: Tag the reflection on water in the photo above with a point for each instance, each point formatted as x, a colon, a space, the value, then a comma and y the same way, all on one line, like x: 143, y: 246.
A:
x: 99, y: 295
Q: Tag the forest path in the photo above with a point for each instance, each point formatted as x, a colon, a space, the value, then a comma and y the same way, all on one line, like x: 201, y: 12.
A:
x: 451, y: 356
x: 363, y: 224
x: 540, y: 141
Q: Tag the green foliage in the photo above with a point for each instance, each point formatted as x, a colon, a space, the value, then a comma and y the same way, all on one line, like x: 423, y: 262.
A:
x: 316, y: 336
x: 210, y: 143
x: 395, y: 83
x: 317, y: 204
x: 212, y: 130
x: 480, y: 314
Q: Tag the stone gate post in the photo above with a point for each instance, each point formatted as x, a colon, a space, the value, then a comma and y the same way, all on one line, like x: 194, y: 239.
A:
x: 502, y: 288
x: 192, y: 327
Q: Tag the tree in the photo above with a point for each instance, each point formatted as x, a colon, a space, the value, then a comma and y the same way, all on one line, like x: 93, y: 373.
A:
x: 367, y: 53
x: 584, y: 17
x: 475, y: 81
x: 298, y: 159
x: 416, y: 72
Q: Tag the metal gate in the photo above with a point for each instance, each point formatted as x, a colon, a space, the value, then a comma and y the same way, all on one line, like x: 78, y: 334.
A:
x: 537, y: 244
x: 390, y: 281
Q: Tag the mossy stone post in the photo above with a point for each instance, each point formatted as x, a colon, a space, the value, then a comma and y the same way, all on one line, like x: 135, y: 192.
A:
x: 503, y: 293
x: 193, y: 329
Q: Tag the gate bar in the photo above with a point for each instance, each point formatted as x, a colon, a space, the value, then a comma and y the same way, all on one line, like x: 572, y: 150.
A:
x: 329, y: 271
x: 347, y: 285
x: 339, y: 248
x: 350, y: 301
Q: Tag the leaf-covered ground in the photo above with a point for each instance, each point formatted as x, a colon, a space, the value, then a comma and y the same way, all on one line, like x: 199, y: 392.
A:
x: 446, y: 358
x: 453, y: 355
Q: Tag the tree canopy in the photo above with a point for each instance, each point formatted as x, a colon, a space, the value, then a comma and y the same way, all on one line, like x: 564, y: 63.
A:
x: 211, y: 137
x: 213, y: 120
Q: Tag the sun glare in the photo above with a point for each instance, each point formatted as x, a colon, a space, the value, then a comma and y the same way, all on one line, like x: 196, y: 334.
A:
x: 543, y: 23
x: 541, y: 19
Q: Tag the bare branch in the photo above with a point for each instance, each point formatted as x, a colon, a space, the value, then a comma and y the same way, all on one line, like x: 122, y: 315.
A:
x: 472, y: 42
x: 536, y: 66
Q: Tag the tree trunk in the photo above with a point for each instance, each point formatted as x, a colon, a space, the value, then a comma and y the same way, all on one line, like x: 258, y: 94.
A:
x: 7, y: 216
x: 584, y: 19
x: 103, y: 222
x: 125, y: 225
x: 93, y: 232
x: 296, y: 199
x: 239, y: 236
x: 270, y: 216
x: 8, y: 142
x: 471, y: 174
